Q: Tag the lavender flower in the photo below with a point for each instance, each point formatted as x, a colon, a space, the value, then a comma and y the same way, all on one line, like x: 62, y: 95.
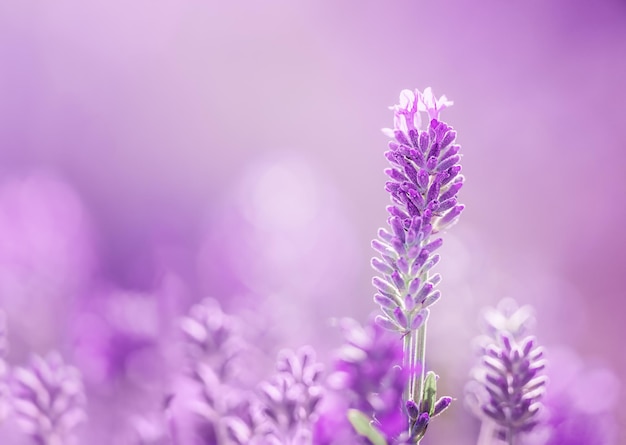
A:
x: 212, y: 340
x: 579, y: 404
x: 425, y: 180
x: 48, y: 400
x: 509, y: 381
x: 213, y: 344
x: 369, y: 378
x: 290, y: 400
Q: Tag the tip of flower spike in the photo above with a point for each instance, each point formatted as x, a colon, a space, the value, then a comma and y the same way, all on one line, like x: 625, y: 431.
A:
x: 410, y: 104
x: 510, y: 317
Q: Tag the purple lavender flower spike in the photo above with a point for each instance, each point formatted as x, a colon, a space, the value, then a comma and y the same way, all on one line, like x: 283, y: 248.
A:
x: 49, y: 400
x: 509, y: 382
x: 425, y: 203
x: 212, y: 340
x: 424, y: 182
x: 290, y: 400
x: 213, y: 346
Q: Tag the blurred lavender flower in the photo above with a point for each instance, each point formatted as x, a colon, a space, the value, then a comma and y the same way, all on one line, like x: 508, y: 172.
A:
x: 212, y: 344
x: 368, y: 377
x: 425, y: 180
x: 289, y: 401
x: 48, y: 400
x: 579, y: 403
x: 282, y: 412
x: 509, y: 382
x: 212, y: 341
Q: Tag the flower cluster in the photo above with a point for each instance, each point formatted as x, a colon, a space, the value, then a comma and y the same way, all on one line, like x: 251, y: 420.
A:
x: 379, y: 391
x: 289, y: 401
x: 369, y: 377
x: 213, y: 343
x: 48, y: 400
x: 425, y: 180
x: 280, y: 411
x: 510, y: 379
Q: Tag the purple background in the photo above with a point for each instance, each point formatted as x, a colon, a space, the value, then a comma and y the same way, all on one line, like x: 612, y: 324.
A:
x: 198, y: 148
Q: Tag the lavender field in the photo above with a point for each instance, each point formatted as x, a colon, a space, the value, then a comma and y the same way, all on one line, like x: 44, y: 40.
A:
x: 191, y: 202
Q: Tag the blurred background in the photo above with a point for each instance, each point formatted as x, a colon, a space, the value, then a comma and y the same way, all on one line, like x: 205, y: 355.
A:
x: 154, y: 153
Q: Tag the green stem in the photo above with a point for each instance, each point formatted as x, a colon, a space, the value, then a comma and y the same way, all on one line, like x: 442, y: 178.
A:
x: 408, y: 357
x: 414, y: 356
x: 420, y: 359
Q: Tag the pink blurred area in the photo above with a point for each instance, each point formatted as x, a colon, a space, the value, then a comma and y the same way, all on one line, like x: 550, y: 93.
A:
x: 233, y: 149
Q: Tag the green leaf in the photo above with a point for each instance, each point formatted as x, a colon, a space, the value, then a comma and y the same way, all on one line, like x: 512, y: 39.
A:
x: 363, y: 426
x: 430, y: 393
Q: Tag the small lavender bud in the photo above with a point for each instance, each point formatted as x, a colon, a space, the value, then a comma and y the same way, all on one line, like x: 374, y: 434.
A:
x: 441, y: 405
x: 419, y: 427
x: 412, y: 410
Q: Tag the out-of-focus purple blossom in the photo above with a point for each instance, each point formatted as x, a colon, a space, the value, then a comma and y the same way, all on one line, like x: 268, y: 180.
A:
x: 48, y: 400
x: 579, y: 403
x: 368, y: 376
x: 212, y: 339
x: 509, y: 382
x: 289, y: 401
x: 424, y: 182
x: 213, y: 343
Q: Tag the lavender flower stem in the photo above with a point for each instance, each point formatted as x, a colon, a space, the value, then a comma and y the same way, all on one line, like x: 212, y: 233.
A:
x: 487, y: 432
x: 410, y: 355
x: 424, y: 181
x: 414, y: 356
x: 420, y: 360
